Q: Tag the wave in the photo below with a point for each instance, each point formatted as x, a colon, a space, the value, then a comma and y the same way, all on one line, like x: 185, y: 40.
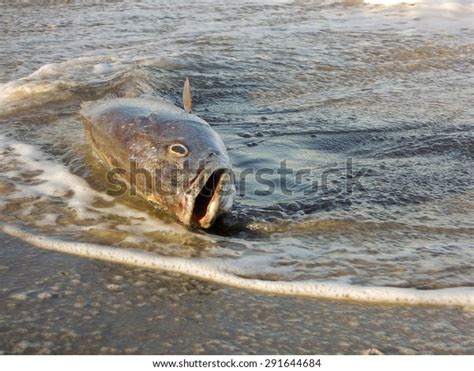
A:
x: 82, y: 78
x: 433, y: 4
x: 199, y: 268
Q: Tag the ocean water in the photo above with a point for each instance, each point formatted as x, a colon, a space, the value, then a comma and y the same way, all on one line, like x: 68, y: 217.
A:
x: 373, y: 94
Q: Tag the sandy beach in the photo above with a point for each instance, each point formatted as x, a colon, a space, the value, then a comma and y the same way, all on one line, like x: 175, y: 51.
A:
x: 53, y: 303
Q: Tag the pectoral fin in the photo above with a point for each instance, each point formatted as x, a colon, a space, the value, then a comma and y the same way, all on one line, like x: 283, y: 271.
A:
x: 187, y: 103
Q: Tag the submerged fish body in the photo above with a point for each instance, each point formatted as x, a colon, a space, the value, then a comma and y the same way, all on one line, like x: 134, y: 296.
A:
x: 172, y: 158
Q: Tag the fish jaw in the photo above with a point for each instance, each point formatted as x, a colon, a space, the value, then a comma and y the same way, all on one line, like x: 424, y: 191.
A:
x: 210, y: 195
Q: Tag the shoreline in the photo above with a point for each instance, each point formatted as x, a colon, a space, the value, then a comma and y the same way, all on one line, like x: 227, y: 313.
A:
x: 461, y: 296
x: 53, y: 303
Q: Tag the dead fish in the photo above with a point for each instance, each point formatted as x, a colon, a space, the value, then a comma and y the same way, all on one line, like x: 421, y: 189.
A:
x: 171, y: 157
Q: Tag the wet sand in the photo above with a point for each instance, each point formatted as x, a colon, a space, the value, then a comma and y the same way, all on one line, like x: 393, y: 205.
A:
x: 52, y: 303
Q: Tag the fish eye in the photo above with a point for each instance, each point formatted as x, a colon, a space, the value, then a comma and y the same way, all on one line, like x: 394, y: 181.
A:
x: 178, y: 149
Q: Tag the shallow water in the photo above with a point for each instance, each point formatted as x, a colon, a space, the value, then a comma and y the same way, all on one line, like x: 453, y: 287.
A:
x: 382, y: 92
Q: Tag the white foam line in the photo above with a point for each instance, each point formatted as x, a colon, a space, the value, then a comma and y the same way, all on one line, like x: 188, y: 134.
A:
x: 462, y: 296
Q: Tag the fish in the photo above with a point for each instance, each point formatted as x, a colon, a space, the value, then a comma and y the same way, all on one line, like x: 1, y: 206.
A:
x: 164, y: 154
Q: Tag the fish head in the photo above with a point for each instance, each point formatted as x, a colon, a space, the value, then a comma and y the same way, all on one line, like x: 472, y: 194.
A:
x: 194, y: 176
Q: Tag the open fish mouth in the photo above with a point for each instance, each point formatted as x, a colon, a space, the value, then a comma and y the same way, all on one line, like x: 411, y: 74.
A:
x: 211, y: 195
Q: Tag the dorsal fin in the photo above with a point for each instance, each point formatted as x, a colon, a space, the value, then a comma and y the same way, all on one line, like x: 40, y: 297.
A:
x: 187, y: 102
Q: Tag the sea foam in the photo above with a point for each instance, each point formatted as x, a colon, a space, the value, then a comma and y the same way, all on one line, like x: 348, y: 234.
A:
x: 202, y: 269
